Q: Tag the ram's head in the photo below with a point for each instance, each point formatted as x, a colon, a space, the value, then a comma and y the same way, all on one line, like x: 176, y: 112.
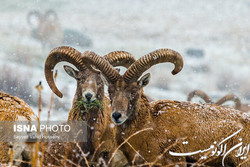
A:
x: 90, y: 86
x: 126, y: 90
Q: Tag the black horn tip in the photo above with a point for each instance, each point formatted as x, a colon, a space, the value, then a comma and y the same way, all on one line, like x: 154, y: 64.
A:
x: 60, y: 95
x: 176, y: 70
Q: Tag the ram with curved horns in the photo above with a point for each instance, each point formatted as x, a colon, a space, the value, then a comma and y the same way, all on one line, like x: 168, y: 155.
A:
x: 221, y: 101
x: 89, y: 104
x: 48, y: 30
x: 154, y: 130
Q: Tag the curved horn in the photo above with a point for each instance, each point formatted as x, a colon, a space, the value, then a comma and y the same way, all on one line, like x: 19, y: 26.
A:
x: 51, y: 12
x: 101, y: 64
x: 57, y: 55
x: 230, y: 97
x: 33, y: 13
x: 153, y: 58
x: 201, y: 94
x: 120, y: 58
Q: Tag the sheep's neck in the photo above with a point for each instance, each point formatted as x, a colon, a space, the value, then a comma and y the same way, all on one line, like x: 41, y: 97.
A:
x: 91, y: 116
x: 141, y: 114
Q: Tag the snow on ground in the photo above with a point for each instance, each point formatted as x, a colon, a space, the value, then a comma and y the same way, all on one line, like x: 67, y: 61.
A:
x: 221, y: 29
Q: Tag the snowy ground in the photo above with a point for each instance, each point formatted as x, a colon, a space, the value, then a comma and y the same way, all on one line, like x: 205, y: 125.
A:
x: 220, y: 28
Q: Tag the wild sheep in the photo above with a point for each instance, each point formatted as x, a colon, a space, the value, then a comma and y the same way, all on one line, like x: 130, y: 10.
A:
x: 168, y: 122
x: 13, y: 109
x: 96, y: 109
x: 50, y: 32
x: 226, y: 98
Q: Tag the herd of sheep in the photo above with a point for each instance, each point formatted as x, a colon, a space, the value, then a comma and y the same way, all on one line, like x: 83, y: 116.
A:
x: 125, y: 128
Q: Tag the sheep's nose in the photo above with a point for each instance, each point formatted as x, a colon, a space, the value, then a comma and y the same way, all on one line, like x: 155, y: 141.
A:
x: 88, y: 96
x: 116, y: 115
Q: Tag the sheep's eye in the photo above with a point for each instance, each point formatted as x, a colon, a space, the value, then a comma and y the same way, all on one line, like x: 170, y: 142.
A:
x: 82, y: 77
x: 133, y: 91
x: 81, y: 80
x: 99, y: 82
x: 111, y: 90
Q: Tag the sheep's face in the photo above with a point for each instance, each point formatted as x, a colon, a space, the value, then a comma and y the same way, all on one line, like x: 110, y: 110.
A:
x: 124, y: 98
x: 90, y: 86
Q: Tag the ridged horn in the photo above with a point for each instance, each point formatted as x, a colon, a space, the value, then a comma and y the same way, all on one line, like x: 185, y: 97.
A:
x: 120, y: 58
x: 230, y: 97
x: 151, y: 59
x: 92, y: 59
x: 201, y: 94
x: 63, y: 53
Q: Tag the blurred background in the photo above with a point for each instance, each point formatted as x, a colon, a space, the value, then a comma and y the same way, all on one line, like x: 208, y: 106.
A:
x: 213, y: 36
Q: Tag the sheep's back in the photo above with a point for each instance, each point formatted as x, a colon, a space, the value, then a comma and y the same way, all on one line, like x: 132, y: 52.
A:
x: 13, y: 109
x: 201, y: 124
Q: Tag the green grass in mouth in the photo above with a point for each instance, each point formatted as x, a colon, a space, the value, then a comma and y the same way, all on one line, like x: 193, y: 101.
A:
x: 88, y: 106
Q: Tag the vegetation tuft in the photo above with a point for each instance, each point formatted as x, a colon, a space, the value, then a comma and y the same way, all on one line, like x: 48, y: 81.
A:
x: 89, y: 106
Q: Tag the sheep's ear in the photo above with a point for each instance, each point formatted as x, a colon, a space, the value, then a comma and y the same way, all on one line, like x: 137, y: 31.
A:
x: 71, y: 71
x: 144, y: 80
x: 104, y: 80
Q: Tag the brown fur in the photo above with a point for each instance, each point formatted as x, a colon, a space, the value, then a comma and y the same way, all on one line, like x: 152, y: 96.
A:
x: 171, y: 121
x: 97, y: 118
x: 13, y: 109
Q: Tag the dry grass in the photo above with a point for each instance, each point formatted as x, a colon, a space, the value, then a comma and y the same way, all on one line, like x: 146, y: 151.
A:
x: 125, y: 141
x: 51, y: 98
x: 37, y: 160
x: 11, y: 155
